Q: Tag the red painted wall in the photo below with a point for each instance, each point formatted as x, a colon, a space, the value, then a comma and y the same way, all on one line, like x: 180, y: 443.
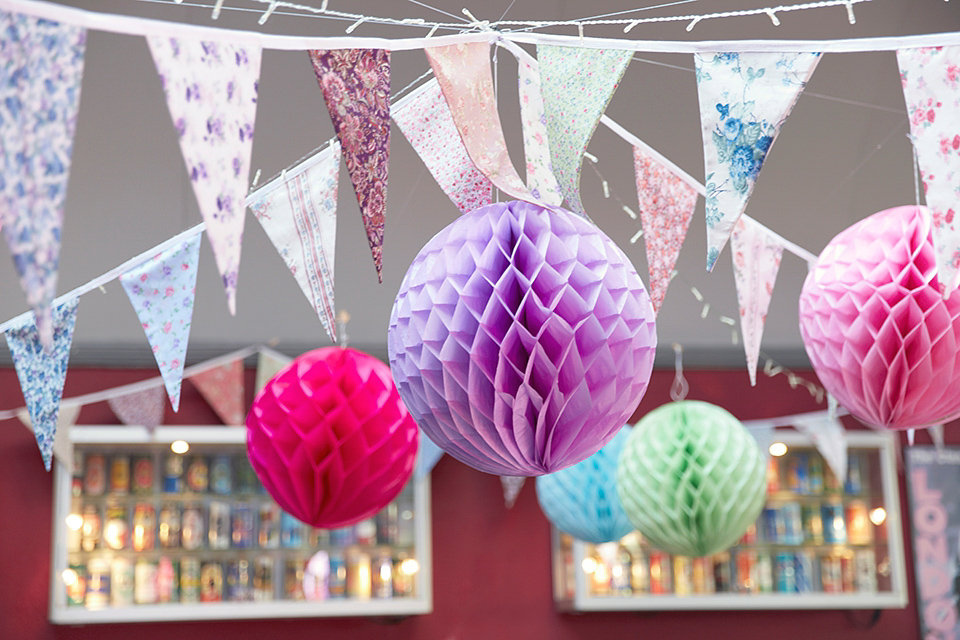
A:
x: 491, y: 565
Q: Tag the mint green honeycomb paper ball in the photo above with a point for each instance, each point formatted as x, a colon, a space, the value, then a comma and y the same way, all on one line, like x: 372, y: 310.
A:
x: 691, y: 478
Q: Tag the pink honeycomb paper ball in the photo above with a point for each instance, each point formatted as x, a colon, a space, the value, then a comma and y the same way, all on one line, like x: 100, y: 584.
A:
x: 521, y: 339
x: 330, y: 438
x: 880, y: 335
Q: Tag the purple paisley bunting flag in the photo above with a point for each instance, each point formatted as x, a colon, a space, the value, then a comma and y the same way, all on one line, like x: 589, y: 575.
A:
x: 744, y: 100
x: 142, y: 408
x: 356, y: 89
x: 222, y: 388
x: 931, y: 88
x: 41, y: 66
x: 211, y: 90
x: 42, y: 372
x: 161, y: 291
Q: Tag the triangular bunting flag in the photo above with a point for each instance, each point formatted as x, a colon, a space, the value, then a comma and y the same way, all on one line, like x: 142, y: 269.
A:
x: 428, y: 456
x: 356, y: 90
x: 744, y: 100
x: 298, y: 211
x: 222, y: 388
x: 142, y: 408
x: 211, y: 90
x: 269, y: 364
x: 425, y: 120
x: 577, y: 84
x: 161, y: 291
x: 463, y: 71
x: 511, y: 489
x: 62, y: 447
x: 830, y: 439
x: 936, y: 434
x: 41, y: 66
x: 764, y: 433
x: 666, y: 207
x: 43, y: 372
x: 540, y: 179
x: 931, y: 88
x: 756, y: 261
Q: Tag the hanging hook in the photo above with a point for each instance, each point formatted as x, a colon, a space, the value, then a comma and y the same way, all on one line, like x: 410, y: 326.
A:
x: 216, y: 10
x: 852, y: 18
x: 679, y: 389
x: 694, y: 22
x: 357, y: 24
x: 773, y: 17
x: 630, y: 26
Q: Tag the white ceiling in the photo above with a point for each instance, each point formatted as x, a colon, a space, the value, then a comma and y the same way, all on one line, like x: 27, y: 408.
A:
x: 841, y: 156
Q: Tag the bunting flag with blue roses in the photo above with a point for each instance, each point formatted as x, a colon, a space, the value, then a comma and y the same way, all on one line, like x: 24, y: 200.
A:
x: 42, y: 372
x: 162, y: 292
x: 211, y: 90
x: 744, y: 100
x: 41, y: 66
x: 931, y: 88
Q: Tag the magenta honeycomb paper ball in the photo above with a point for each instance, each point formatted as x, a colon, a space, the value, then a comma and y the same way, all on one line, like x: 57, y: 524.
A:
x: 521, y: 339
x: 330, y: 438
x: 880, y: 335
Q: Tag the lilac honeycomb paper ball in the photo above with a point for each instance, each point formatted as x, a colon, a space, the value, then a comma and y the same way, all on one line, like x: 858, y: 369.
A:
x: 878, y: 332
x: 522, y: 339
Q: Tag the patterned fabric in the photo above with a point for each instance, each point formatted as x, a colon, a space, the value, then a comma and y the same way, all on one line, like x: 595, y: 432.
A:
x: 356, y: 90
x: 666, y: 207
x: 211, y: 90
x: 143, y: 408
x: 577, y: 84
x: 222, y: 388
x: 41, y: 65
x: 62, y: 446
x: 744, y: 100
x: 425, y: 120
x: 756, y: 261
x: 42, y: 372
x: 931, y: 88
x: 463, y: 71
x: 269, y: 364
x: 540, y: 179
x: 299, y: 214
x: 161, y: 291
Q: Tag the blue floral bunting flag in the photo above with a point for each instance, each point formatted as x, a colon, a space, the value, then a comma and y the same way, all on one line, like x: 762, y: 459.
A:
x: 41, y: 65
x: 42, y: 372
x: 744, y: 100
x: 161, y: 291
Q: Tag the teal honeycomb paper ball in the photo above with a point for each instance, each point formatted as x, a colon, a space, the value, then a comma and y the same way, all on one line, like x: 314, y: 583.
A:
x: 691, y: 478
x: 582, y: 500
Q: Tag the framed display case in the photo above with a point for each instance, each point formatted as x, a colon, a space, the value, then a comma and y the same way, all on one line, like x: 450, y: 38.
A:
x: 818, y: 544
x: 145, y: 531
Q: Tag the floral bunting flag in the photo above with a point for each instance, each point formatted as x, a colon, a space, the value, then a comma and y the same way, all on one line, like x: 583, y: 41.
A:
x: 142, y: 408
x: 222, y: 388
x: 298, y: 211
x: 756, y: 261
x: 666, y: 207
x: 161, y: 291
x: 211, y: 90
x: 356, y: 90
x: 463, y: 71
x: 511, y: 489
x: 577, y: 84
x: 829, y: 437
x: 41, y: 66
x: 269, y: 364
x: 744, y: 100
x: 42, y: 372
x: 62, y: 446
x: 931, y: 88
x: 426, y: 121
x: 540, y: 179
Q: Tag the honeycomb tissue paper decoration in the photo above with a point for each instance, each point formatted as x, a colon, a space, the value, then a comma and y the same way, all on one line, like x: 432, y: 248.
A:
x: 521, y: 339
x: 874, y: 323
x: 330, y: 438
x: 691, y: 478
x: 582, y: 500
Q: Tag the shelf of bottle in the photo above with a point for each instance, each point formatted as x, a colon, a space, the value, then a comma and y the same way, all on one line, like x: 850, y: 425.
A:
x: 786, y: 497
x: 205, y: 552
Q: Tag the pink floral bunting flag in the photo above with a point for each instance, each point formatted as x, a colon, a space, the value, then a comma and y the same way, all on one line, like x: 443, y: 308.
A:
x: 931, y: 88
x: 42, y: 373
x: 426, y: 122
x: 41, y: 66
x: 463, y: 71
x: 666, y: 207
x: 577, y: 84
x: 540, y: 179
x: 222, y: 388
x: 756, y: 261
x: 211, y: 90
x: 142, y: 408
x: 744, y: 100
x: 298, y: 211
x: 356, y: 90
x: 161, y: 291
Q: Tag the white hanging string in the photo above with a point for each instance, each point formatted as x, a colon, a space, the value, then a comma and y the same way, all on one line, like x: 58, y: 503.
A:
x: 680, y: 386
